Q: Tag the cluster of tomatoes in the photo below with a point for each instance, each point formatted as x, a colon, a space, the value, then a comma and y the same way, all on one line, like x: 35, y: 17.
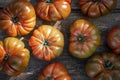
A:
x: 18, y: 18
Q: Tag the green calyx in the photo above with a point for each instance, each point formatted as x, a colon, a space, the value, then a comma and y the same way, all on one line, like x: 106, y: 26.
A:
x: 6, y: 57
x: 108, y: 65
x: 50, y: 78
x: 97, y: 0
x: 46, y: 43
x: 15, y: 19
x: 4, y: 60
x: 49, y: 1
x: 81, y: 38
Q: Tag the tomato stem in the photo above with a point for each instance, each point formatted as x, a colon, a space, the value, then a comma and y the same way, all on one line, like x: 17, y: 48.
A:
x: 49, y: 1
x: 97, y: 0
x: 108, y: 65
x: 21, y: 38
x: 58, y: 25
x: 81, y: 38
x: 50, y: 78
x: 6, y: 57
x: 46, y: 43
x: 15, y: 19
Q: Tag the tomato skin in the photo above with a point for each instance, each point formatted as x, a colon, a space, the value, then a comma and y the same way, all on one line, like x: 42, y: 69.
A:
x: 69, y: 1
x: 104, y: 67
x: 46, y: 42
x: 54, y: 71
x: 113, y: 39
x: 53, y: 11
x: 84, y: 39
x: 18, y: 18
x: 15, y: 56
x: 2, y: 52
x: 97, y: 8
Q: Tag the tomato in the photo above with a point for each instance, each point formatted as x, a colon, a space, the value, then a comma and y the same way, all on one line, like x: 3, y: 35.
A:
x: 54, y: 71
x: 18, y: 18
x: 97, y: 8
x: 84, y: 39
x: 114, y: 39
x: 14, y: 57
x: 104, y: 67
x: 46, y: 42
x: 53, y: 10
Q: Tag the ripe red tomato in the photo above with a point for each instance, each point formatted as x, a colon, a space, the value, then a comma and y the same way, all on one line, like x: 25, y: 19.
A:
x: 54, y: 71
x: 14, y: 57
x: 104, y: 67
x: 46, y: 42
x: 97, y: 8
x: 114, y: 39
x: 84, y: 39
x: 18, y: 18
x: 53, y: 10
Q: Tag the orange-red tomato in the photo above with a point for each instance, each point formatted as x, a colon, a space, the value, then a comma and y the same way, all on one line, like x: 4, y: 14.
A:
x: 18, y: 18
x: 53, y: 10
x: 14, y: 57
x: 97, y: 8
x: 47, y: 42
x: 84, y: 39
x: 54, y: 71
x: 114, y: 39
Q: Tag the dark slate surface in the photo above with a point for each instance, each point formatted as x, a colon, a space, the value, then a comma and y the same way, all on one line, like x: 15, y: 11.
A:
x: 76, y: 67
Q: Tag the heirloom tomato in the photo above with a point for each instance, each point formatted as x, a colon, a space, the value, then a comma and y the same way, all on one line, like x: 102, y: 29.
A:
x: 104, y: 67
x: 53, y: 10
x: 114, y: 39
x: 97, y: 8
x: 47, y: 42
x: 84, y: 39
x: 14, y: 57
x: 54, y: 71
x: 18, y: 18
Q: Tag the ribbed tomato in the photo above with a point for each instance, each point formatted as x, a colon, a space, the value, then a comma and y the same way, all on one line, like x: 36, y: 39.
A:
x: 18, y: 18
x: 114, y: 39
x: 84, y: 39
x: 54, y: 71
x: 104, y: 67
x: 97, y: 8
x: 47, y: 42
x: 53, y: 10
x: 14, y: 57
